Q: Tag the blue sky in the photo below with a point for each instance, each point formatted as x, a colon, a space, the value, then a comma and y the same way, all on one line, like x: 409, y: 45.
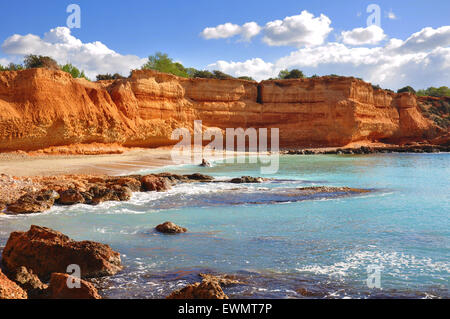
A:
x: 140, y: 28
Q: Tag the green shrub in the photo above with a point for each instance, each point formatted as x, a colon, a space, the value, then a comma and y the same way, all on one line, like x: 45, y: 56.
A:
x: 406, y: 89
x: 376, y: 87
x: 162, y: 63
x: 74, y: 71
x: 203, y: 74
x: 248, y: 78
x: 11, y: 67
x: 435, y: 92
x: 221, y: 76
x: 38, y: 61
x: 293, y: 74
x: 107, y: 77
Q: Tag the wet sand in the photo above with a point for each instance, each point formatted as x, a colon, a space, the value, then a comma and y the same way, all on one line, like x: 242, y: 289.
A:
x: 16, y: 164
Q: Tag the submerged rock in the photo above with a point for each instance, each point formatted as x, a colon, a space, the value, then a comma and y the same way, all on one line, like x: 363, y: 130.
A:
x: 58, y: 288
x: 247, y: 180
x: 45, y: 251
x: 307, y: 293
x: 199, y: 177
x: 170, y: 228
x: 224, y: 280
x: 327, y: 189
x: 204, y: 290
x: 34, y: 202
x: 9, y: 289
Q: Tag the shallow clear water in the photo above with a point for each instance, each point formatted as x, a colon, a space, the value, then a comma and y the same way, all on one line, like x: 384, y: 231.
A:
x: 276, y: 242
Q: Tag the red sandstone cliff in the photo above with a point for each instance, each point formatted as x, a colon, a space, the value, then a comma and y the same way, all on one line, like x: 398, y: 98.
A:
x: 40, y: 108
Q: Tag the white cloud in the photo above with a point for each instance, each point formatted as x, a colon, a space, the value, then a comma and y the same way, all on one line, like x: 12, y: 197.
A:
x: 4, y: 61
x: 228, y: 30
x: 300, y: 30
x: 249, y: 30
x: 256, y: 68
x: 222, y: 31
x: 94, y: 58
x: 427, y: 39
x: 371, y: 35
x: 422, y: 60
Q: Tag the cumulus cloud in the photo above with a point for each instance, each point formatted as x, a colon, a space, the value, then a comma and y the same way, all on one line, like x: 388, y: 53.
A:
x: 300, y: 30
x: 371, y: 35
x: 422, y: 60
x: 249, y: 30
x: 228, y: 30
x: 222, y: 31
x: 94, y: 58
x: 426, y: 39
x: 256, y: 67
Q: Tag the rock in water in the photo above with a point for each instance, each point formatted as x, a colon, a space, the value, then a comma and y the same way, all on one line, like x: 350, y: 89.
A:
x: 58, y: 288
x: 205, y: 163
x: 31, y: 283
x: 247, y: 180
x: 34, y: 202
x: 45, y: 251
x: 151, y: 183
x: 224, y: 280
x: 9, y: 289
x: 70, y: 197
x: 170, y: 228
x: 203, y: 290
x: 199, y: 177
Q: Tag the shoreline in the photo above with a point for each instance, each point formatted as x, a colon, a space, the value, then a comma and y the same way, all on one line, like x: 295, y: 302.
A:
x: 129, y: 162
x: 22, y: 164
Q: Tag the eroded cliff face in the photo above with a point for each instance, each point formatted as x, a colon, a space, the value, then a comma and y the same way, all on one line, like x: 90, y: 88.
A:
x: 40, y: 108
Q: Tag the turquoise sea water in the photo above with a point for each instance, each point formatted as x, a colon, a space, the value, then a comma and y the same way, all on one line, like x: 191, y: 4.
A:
x: 278, y: 243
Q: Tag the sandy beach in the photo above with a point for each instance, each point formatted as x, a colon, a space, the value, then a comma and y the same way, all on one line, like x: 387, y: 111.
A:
x: 18, y: 164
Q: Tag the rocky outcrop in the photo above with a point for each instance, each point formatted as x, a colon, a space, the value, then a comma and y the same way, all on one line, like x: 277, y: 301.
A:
x: 42, y: 108
x: 45, y: 251
x: 58, y: 288
x: 209, y: 288
x: 204, y: 290
x: 170, y: 228
x: 224, y: 280
x: 34, y: 202
x: 30, y: 282
x: 436, y: 109
x: 247, y: 180
x: 9, y: 289
x: 151, y: 183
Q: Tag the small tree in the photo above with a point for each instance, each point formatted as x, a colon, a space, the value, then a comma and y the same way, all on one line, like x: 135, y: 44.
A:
x: 221, y: 76
x: 376, y: 87
x: 108, y: 77
x: 407, y: 89
x: 248, y: 78
x: 38, y: 61
x: 11, y: 67
x: 205, y: 74
x: 162, y: 63
x: 293, y: 74
x: 74, y: 71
